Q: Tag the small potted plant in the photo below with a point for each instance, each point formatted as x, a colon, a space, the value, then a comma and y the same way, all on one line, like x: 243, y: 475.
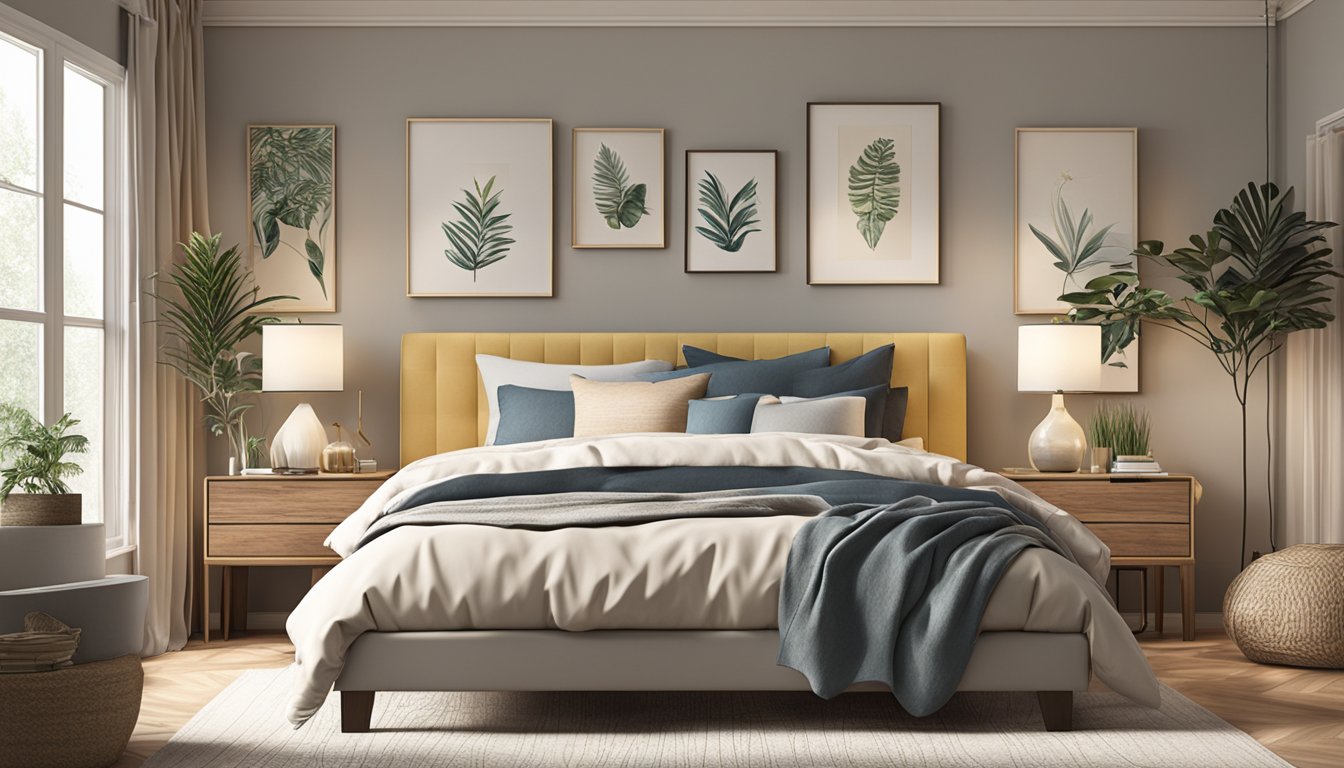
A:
x: 1118, y: 430
x: 33, y: 457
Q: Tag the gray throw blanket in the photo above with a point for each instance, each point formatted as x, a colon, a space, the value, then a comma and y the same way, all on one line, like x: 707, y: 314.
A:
x: 895, y: 593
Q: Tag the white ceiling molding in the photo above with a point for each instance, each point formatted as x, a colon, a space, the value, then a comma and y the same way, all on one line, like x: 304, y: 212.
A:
x: 1289, y: 7
x: 738, y: 13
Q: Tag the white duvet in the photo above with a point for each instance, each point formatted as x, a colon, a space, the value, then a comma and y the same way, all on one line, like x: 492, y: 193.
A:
x: 703, y: 573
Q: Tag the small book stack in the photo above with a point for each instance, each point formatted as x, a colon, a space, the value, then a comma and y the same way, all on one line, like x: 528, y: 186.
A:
x: 1136, y: 465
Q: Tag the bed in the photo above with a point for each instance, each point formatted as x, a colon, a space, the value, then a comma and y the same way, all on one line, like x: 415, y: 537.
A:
x: 1029, y: 641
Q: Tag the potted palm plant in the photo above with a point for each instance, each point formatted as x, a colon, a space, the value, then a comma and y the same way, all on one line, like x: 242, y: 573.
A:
x: 209, y: 306
x: 35, y: 459
x: 1262, y: 272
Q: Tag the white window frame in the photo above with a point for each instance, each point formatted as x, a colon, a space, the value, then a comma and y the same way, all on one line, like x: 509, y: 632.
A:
x: 118, y: 323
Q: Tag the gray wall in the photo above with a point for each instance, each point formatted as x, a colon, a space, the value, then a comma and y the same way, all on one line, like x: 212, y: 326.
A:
x: 95, y: 23
x: 1186, y: 89
x: 1310, y: 81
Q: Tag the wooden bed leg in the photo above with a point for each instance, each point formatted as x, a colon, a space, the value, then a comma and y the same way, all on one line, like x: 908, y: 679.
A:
x: 1056, y: 709
x: 357, y: 711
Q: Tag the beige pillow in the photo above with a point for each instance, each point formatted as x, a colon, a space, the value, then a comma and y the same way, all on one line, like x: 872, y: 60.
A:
x: 616, y: 407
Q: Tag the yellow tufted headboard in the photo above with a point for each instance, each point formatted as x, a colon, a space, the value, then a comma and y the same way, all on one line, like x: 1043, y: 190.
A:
x: 443, y: 406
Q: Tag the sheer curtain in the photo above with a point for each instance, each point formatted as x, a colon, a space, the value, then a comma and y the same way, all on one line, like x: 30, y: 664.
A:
x: 1314, y: 377
x: 168, y: 200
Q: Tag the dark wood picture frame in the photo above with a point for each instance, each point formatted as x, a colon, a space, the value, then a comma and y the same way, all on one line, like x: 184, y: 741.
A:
x: 690, y: 213
x: 807, y: 192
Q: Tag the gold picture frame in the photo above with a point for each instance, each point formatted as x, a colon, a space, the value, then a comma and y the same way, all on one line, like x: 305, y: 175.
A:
x: 635, y: 153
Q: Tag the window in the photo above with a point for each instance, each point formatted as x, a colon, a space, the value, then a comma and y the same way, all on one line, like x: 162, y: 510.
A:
x: 64, y: 309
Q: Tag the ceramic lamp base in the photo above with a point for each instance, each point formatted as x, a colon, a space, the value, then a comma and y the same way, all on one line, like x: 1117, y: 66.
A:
x: 298, y: 444
x: 1058, y: 442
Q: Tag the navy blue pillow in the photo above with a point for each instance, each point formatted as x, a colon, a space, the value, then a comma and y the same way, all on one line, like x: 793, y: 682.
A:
x: 870, y: 369
x: 731, y: 416
x: 893, y: 423
x: 527, y: 414
x: 736, y: 377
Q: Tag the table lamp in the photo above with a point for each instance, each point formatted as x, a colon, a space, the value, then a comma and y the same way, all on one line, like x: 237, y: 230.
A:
x: 1058, y: 358
x: 301, y: 358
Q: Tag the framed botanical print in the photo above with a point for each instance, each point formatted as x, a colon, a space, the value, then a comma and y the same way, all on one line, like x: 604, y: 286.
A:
x: 872, y: 193
x: 618, y: 199
x: 1076, y: 219
x: 479, y: 207
x: 732, y: 220
x: 291, y: 208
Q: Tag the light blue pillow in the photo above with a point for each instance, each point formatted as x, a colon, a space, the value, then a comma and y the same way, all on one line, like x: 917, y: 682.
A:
x: 729, y: 416
x: 737, y: 377
x: 527, y: 414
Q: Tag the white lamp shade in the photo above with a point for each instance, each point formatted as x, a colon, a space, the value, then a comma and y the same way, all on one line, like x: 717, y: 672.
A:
x: 1058, y: 358
x: 302, y: 358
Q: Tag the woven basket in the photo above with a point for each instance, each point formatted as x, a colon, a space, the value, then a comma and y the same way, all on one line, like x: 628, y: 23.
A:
x: 41, y: 509
x: 78, y: 717
x: 1288, y: 607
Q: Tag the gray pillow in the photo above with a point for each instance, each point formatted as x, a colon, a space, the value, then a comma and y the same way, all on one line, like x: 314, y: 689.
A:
x: 723, y: 416
x: 527, y: 414
x: 875, y: 414
x: 736, y: 377
x: 823, y: 416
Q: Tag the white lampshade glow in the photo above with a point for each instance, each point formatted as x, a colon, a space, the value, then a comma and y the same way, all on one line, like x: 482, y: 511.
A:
x: 302, y: 358
x: 1058, y: 358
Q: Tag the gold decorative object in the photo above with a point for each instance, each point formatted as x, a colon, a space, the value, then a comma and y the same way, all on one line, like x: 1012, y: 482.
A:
x: 340, y: 455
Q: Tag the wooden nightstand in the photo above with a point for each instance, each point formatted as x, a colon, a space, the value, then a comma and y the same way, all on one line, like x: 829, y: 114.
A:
x: 272, y: 520
x: 1145, y: 520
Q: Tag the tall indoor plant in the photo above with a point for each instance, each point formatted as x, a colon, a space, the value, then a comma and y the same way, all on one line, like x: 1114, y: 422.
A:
x: 1259, y: 274
x: 35, y: 462
x: 209, y: 306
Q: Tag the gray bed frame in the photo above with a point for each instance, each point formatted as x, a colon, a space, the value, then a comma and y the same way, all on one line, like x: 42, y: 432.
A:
x: 1053, y: 665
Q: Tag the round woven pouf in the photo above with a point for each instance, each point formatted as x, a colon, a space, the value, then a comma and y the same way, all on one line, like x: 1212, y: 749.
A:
x: 77, y: 717
x: 1288, y: 607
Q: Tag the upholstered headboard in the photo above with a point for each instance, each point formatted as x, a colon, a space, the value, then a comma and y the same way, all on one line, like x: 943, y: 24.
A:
x: 443, y: 406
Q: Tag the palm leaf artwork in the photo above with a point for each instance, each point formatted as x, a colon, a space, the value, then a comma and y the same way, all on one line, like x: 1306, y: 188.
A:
x: 727, y: 221
x: 478, y: 237
x: 620, y: 202
x: 873, y: 192
x: 291, y: 180
x: 1072, y: 248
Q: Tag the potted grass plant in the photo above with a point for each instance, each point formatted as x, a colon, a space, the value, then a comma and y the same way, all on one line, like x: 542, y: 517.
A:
x: 35, y: 460
x: 1117, y: 429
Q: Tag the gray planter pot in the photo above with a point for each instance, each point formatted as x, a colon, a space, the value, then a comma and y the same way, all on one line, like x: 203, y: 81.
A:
x: 41, y: 509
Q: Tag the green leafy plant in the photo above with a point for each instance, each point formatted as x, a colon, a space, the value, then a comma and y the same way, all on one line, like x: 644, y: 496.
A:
x: 620, y: 202
x: 290, y: 175
x: 208, y: 305
x: 1072, y: 248
x: 727, y: 220
x: 478, y: 237
x: 873, y: 192
x: 1261, y: 273
x: 1121, y: 427
x: 33, y: 455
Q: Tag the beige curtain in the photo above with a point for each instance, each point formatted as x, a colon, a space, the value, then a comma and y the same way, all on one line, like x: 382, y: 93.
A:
x: 1314, y: 378
x: 168, y: 200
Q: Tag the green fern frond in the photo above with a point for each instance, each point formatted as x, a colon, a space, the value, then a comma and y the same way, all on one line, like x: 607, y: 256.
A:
x: 726, y: 222
x: 478, y: 236
x: 873, y: 192
x: 619, y: 202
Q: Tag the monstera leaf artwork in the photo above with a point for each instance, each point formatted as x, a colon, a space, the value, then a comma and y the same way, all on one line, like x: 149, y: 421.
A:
x: 727, y: 222
x: 291, y: 176
x: 478, y: 237
x: 620, y: 202
x: 873, y: 192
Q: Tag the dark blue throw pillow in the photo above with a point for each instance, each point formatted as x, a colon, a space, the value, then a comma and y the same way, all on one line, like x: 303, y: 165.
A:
x: 527, y: 414
x: 730, y: 416
x: 870, y: 369
x: 736, y: 377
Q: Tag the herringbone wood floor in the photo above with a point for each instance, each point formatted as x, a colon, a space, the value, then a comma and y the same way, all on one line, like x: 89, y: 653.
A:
x: 1298, y: 713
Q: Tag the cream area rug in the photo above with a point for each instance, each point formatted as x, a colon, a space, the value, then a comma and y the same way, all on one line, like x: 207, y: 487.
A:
x: 245, y: 726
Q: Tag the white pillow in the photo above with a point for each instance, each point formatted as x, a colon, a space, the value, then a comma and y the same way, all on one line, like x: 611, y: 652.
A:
x: 498, y: 371
x: 816, y: 416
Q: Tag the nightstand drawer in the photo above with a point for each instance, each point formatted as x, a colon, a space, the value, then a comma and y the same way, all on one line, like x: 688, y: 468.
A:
x: 273, y: 540
x: 290, y: 501
x: 1144, y: 539
x: 1121, y: 501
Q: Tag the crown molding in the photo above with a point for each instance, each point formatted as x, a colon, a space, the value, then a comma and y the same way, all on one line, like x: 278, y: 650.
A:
x: 737, y: 13
x: 1289, y: 7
